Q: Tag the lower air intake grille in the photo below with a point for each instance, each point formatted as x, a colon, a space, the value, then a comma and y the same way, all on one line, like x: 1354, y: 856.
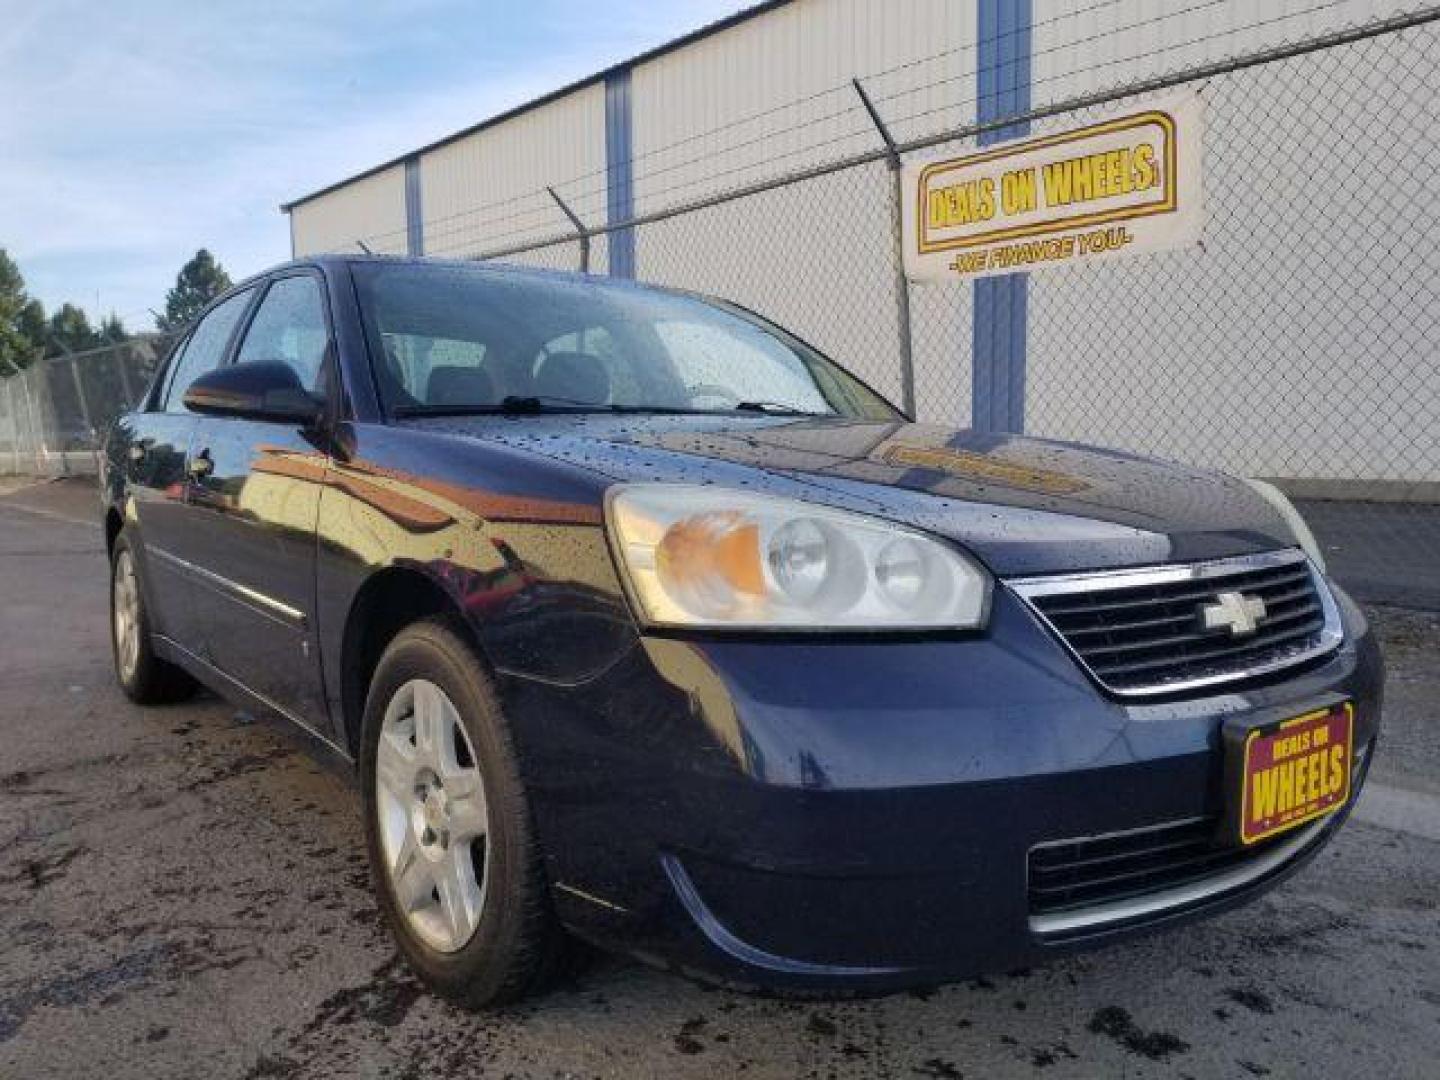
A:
x: 1169, y: 629
x: 1082, y: 873
x: 1079, y: 886
x: 1089, y: 884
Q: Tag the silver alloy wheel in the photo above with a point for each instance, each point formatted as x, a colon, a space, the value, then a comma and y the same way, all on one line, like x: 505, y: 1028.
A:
x: 126, y: 614
x: 433, y: 819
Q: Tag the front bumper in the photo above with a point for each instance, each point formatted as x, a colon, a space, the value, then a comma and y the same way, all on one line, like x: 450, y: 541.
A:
x: 861, y: 815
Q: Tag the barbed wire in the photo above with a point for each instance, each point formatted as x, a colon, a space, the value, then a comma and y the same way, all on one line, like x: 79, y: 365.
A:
x: 1316, y: 284
x: 844, y: 87
x: 1148, y: 52
x: 588, y: 201
x: 1116, y: 93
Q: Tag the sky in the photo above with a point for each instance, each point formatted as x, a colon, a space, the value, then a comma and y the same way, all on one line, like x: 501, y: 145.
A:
x: 133, y: 133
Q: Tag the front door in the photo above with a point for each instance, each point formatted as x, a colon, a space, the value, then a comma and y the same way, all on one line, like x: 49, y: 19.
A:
x: 255, y: 494
x: 158, y: 477
x: 156, y: 447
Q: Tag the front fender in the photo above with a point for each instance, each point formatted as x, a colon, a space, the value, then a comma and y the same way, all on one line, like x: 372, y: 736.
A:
x: 516, y: 548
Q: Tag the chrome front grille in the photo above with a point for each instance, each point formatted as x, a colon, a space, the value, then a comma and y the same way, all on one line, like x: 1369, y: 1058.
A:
x: 1144, y: 632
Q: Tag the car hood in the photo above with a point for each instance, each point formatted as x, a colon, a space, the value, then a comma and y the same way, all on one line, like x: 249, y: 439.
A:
x: 1022, y: 505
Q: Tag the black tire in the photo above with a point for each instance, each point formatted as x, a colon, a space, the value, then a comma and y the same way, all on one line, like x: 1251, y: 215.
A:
x: 517, y: 945
x: 148, y: 680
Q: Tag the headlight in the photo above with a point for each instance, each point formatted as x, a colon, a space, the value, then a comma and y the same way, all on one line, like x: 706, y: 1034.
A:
x: 1286, y: 509
x: 711, y: 556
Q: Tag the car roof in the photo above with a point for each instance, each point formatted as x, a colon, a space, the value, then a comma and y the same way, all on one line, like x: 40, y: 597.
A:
x: 343, y: 261
x: 497, y: 267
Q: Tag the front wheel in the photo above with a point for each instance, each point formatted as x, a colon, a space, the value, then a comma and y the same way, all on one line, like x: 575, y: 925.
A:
x: 145, y: 677
x: 456, y: 866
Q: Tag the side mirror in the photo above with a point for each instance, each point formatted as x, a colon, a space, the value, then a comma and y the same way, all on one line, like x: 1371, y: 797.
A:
x: 258, y: 391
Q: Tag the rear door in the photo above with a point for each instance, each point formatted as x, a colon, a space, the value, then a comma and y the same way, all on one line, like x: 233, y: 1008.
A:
x: 255, y: 495
x: 156, y: 470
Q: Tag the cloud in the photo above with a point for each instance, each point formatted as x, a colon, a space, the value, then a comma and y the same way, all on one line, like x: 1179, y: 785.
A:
x: 135, y: 133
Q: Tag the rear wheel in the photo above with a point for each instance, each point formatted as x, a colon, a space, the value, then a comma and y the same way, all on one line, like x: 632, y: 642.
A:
x: 448, y: 828
x: 145, y: 677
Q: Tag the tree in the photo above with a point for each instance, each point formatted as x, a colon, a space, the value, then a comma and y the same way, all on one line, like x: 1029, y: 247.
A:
x: 112, y: 330
x: 70, y: 330
x: 32, y: 323
x: 26, y: 333
x: 22, y: 320
x: 200, y: 280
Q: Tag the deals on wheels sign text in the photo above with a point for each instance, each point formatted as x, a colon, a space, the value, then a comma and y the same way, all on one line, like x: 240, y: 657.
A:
x: 1126, y: 185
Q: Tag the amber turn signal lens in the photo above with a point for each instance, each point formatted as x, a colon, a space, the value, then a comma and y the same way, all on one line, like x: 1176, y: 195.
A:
x: 722, y: 548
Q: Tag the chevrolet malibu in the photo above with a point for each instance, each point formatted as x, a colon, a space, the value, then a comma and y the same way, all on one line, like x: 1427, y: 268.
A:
x: 643, y: 622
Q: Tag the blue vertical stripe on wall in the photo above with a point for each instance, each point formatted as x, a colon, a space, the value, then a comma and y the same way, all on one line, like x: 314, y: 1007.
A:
x: 619, y: 172
x: 997, y: 372
x: 414, y: 218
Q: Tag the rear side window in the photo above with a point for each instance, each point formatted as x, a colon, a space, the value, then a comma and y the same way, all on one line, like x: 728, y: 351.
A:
x: 289, y: 328
x: 205, y: 349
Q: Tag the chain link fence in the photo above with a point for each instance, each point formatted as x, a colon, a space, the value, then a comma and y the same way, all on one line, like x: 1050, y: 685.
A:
x: 53, y: 413
x: 1299, y: 342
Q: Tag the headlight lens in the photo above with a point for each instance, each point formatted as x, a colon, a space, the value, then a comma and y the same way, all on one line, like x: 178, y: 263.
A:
x: 1286, y: 509
x: 711, y: 556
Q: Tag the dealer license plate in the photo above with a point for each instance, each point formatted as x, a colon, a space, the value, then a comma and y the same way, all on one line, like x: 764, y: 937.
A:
x: 1295, y: 771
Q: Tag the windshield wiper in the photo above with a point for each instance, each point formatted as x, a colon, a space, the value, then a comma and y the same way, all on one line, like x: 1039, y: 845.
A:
x: 513, y: 405
x: 537, y: 403
x: 776, y: 408
x: 534, y: 405
x: 406, y: 412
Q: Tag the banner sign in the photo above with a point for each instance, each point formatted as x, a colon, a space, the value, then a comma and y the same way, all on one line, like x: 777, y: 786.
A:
x: 1124, y: 186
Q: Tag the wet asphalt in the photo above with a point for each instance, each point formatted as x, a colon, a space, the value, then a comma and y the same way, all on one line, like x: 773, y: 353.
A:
x: 184, y: 894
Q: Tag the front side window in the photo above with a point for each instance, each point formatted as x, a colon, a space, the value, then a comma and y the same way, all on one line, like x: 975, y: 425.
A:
x: 205, y: 349
x: 289, y: 328
x: 473, y: 339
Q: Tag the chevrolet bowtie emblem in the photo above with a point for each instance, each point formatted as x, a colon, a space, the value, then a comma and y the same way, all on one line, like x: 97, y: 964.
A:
x: 1233, y: 611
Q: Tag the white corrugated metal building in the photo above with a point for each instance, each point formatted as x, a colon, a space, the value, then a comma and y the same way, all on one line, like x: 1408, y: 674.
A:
x: 769, y: 92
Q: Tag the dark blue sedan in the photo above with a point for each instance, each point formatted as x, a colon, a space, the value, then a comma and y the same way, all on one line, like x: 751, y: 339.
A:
x: 643, y: 622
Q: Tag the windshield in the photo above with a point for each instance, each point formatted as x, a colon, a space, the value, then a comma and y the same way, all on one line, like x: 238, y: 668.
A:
x: 448, y: 339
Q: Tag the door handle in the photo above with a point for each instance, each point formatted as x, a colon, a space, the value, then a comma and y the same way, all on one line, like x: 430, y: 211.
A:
x: 201, y: 465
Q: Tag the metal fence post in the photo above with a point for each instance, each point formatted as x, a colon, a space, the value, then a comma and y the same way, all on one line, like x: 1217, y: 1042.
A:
x: 37, y: 444
x: 122, y: 365
x: 20, y: 431
x: 902, y: 283
x: 14, y: 424
x: 84, y: 413
x: 584, y: 233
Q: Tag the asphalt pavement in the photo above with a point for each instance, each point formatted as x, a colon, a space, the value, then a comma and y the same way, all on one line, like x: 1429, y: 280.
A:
x: 183, y: 893
x: 1384, y: 553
